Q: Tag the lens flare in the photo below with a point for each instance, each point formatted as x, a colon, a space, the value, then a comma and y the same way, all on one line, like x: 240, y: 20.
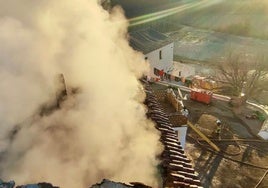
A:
x: 164, y: 13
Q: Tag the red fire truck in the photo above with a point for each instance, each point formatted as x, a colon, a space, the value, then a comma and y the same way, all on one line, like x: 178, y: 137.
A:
x: 201, y: 95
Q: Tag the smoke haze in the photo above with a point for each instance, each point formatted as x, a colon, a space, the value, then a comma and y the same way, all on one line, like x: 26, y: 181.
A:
x: 100, y: 132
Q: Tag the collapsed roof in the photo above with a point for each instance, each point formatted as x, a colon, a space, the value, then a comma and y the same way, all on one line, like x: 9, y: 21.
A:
x: 177, y: 170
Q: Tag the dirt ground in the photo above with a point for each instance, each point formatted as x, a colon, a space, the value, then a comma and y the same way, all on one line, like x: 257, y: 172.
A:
x: 241, y: 163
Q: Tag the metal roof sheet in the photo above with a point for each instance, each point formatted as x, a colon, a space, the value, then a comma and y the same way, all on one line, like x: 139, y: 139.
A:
x: 148, y: 40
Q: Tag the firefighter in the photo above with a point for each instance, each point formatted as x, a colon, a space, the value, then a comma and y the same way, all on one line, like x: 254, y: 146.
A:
x: 185, y: 111
x: 218, y: 129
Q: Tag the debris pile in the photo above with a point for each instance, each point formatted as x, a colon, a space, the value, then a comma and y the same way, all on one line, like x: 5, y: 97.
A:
x: 207, y: 124
x: 172, y: 99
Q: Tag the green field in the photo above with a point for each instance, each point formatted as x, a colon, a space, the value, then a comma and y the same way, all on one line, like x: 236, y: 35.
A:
x: 244, y: 18
x: 240, y: 17
x: 210, y: 46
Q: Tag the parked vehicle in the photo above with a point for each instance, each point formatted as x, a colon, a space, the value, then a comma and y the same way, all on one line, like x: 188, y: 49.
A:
x: 201, y: 95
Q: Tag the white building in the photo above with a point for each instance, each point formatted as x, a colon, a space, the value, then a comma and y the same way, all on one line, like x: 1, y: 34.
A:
x: 156, y: 47
x: 264, y: 130
x: 182, y: 70
x: 158, y: 50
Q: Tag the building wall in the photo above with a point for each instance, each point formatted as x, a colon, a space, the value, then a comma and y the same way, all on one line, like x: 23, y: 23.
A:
x: 182, y: 132
x: 182, y: 69
x: 165, y: 63
x: 264, y: 130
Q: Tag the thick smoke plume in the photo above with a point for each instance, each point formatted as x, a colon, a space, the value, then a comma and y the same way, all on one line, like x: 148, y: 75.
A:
x: 100, y: 130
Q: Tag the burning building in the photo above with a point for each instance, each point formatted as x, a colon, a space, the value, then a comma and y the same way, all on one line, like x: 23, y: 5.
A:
x: 69, y: 143
x: 99, y: 128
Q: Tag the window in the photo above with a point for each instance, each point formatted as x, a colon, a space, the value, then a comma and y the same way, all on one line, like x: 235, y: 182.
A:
x: 160, y: 54
x: 180, y: 73
x: 156, y: 71
x: 177, y: 79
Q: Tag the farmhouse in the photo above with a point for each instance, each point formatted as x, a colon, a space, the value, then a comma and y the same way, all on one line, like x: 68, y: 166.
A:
x: 157, y: 49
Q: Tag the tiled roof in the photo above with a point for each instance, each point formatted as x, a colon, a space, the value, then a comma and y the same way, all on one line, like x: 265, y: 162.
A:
x: 147, y: 40
x: 177, y: 170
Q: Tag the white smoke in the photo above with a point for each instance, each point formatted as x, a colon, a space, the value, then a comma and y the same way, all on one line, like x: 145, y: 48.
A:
x: 100, y: 132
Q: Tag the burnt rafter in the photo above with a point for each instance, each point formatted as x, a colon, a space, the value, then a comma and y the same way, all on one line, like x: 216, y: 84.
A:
x: 177, y: 170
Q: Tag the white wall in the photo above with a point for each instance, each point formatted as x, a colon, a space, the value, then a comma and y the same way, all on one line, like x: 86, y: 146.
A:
x: 185, y: 69
x: 263, y: 134
x: 164, y: 63
x: 264, y: 130
x: 182, y: 131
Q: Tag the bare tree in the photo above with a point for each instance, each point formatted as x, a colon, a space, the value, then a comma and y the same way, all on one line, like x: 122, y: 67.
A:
x: 257, y: 77
x: 243, y: 76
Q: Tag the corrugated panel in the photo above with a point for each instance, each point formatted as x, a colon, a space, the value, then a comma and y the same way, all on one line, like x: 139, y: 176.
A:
x: 148, y: 40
